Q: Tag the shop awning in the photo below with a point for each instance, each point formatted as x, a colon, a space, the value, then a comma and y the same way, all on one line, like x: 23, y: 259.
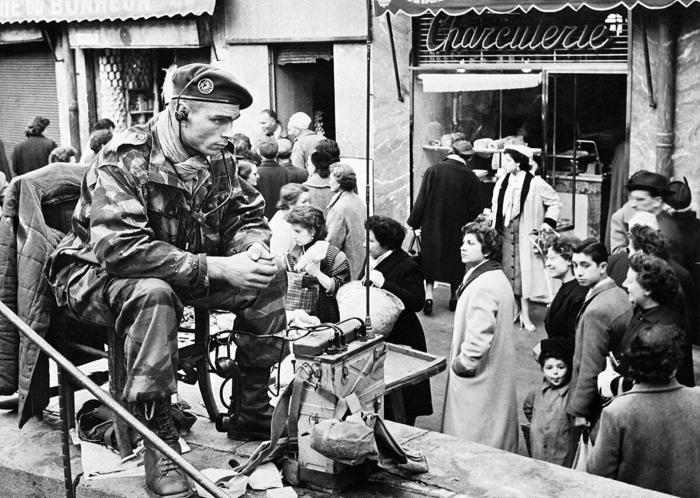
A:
x: 18, y: 11
x: 459, y: 7
x: 473, y: 82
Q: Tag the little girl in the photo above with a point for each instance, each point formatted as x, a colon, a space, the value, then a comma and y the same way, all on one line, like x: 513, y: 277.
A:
x: 552, y: 438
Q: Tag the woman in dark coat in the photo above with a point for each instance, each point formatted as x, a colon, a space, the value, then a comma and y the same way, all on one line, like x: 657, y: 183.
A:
x: 396, y: 272
x: 447, y: 200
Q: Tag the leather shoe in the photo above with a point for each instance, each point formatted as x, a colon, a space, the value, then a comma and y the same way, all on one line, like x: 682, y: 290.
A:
x: 453, y: 304
x: 428, y: 307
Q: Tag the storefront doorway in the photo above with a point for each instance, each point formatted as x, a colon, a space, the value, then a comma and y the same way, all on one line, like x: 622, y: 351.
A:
x: 303, y: 82
x: 584, y: 126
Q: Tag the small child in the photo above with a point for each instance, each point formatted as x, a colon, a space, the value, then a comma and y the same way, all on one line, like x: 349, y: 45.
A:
x: 552, y: 438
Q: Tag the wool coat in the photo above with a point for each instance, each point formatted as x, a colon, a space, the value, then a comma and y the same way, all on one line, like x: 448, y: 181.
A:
x: 346, y: 228
x: 404, y: 278
x: 600, y: 325
x: 650, y: 437
x: 447, y: 200
x: 31, y: 153
x: 272, y: 177
x: 484, y: 408
x: 319, y: 192
x: 552, y: 438
x: 541, y: 202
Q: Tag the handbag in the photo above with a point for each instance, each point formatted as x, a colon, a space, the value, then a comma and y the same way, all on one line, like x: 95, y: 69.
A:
x: 302, y: 291
x: 414, y: 249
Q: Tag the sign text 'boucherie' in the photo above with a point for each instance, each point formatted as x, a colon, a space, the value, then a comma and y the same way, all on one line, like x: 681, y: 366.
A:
x: 447, y: 33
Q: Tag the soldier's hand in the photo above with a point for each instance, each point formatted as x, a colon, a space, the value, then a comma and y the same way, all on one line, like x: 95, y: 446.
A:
x: 241, y: 271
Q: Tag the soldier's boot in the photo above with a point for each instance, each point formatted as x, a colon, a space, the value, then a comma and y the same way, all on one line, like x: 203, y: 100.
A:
x: 253, y: 422
x: 164, y: 479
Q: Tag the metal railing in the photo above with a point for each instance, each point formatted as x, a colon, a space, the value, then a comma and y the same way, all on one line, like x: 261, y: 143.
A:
x: 66, y: 366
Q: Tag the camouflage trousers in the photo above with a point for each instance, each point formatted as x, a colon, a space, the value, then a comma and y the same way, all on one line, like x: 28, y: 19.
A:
x: 147, y: 313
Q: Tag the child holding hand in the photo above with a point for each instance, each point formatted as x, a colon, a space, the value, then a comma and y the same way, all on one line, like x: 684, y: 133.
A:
x: 552, y: 437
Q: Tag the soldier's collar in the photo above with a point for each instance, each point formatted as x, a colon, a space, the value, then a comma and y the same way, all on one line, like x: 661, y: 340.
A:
x: 162, y: 171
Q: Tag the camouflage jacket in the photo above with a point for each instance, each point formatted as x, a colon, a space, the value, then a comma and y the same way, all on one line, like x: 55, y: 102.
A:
x: 137, y: 219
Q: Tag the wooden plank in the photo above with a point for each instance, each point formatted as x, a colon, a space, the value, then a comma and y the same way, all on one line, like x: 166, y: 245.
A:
x: 405, y: 366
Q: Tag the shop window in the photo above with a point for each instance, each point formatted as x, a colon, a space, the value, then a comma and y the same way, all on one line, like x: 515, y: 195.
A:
x: 127, y: 84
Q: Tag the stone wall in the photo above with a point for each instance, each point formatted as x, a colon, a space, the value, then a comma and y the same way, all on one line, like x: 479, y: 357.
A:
x: 687, y: 120
x: 391, y: 119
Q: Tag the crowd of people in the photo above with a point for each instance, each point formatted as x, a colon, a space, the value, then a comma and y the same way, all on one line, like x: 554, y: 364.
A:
x: 633, y: 308
x: 616, y: 363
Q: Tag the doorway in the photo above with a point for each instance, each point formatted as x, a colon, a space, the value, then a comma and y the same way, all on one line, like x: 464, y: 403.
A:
x: 303, y: 77
x: 585, y: 124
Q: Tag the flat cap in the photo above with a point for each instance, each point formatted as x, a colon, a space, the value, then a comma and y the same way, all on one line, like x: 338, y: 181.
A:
x: 209, y: 83
x: 462, y: 147
x: 268, y: 148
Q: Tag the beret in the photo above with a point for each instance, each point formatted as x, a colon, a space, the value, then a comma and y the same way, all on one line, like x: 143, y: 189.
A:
x: 209, y: 83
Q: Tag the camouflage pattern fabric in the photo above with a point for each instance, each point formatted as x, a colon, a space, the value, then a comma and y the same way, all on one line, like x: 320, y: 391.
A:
x: 138, y: 252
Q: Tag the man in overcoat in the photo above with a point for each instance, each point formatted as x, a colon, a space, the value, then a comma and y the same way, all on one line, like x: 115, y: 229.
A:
x: 163, y: 221
x: 447, y: 200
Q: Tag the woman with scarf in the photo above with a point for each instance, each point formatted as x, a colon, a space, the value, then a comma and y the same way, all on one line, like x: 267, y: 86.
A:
x: 480, y: 403
x: 521, y: 203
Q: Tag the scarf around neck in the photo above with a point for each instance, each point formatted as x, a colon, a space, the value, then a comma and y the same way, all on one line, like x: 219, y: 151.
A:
x: 481, y: 268
x: 186, y: 165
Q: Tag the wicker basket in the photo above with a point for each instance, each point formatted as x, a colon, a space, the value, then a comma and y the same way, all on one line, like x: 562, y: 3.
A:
x: 384, y: 307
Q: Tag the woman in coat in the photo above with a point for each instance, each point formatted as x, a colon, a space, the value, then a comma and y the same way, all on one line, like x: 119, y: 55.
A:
x: 650, y: 436
x: 395, y: 271
x: 480, y: 403
x: 521, y: 203
x: 447, y: 199
x: 346, y: 217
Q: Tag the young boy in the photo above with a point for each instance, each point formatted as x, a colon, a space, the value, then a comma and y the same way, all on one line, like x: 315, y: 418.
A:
x: 552, y: 438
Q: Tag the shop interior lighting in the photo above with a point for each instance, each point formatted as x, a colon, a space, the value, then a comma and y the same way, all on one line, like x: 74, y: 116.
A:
x: 462, y: 67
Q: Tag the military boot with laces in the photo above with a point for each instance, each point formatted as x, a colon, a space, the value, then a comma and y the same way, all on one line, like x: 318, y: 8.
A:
x: 164, y: 479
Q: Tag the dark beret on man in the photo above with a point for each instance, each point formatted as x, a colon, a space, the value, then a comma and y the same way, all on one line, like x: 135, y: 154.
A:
x: 208, y: 83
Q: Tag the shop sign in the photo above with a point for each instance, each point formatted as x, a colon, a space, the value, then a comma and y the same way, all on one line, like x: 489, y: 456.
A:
x: 97, y: 10
x: 543, y: 35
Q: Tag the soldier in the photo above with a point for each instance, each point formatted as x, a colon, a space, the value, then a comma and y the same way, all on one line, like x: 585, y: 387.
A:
x: 162, y: 221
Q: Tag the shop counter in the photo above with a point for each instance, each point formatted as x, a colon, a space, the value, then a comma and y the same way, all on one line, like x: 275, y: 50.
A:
x: 586, y: 211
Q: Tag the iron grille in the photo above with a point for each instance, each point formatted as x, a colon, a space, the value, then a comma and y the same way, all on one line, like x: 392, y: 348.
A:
x: 614, y: 50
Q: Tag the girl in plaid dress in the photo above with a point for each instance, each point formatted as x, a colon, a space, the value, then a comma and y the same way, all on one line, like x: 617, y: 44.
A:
x: 314, y: 256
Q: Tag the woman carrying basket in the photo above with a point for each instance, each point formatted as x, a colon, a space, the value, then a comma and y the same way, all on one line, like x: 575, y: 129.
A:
x: 393, y: 270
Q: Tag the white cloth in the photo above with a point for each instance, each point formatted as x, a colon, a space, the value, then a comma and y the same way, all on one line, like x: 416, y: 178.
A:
x: 511, y: 200
x: 282, y: 240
